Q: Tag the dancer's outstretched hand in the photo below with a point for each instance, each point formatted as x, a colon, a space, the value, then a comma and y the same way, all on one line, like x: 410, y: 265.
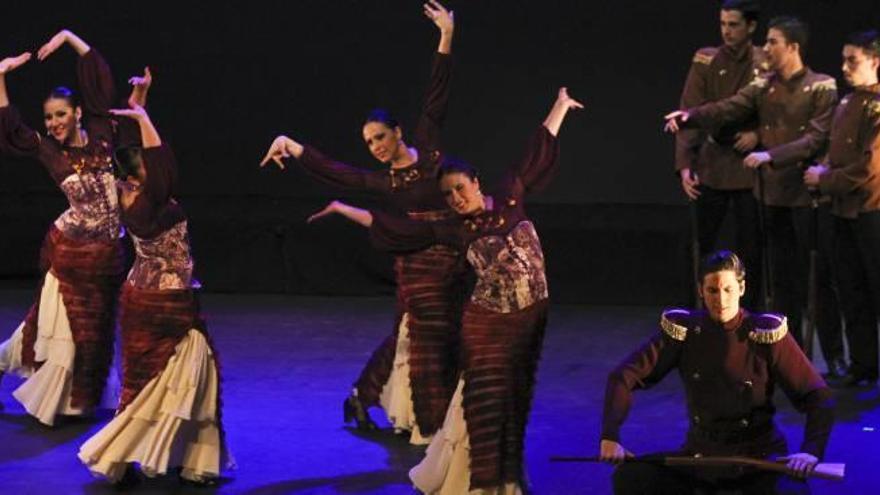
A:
x: 142, y: 82
x: 444, y: 19
x: 672, y: 120
x: 9, y: 64
x: 567, y: 101
x: 282, y: 147
x: 136, y: 112
x: 53, y: 44
x: 331, y: 209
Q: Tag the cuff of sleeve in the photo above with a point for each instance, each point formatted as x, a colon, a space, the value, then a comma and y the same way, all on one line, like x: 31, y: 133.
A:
x: 779, y: 157
x: 611, y: 433
x: 813, y: 449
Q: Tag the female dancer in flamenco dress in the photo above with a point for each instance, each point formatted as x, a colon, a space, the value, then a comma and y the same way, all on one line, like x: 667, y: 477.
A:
x: 64, y: 346
x: 412, y: 372
x: 169, y: 412
x: 479, y: 449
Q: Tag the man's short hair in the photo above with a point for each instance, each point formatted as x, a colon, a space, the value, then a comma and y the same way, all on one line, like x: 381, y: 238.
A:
x: 750, y: 9
x: 794, y: 30
x: 868, y: 41
x: 720, y: 261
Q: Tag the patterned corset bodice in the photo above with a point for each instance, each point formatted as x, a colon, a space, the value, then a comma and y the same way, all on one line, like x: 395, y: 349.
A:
x: 93, y: 214
x: 510, y: 270
x: 164, y: 262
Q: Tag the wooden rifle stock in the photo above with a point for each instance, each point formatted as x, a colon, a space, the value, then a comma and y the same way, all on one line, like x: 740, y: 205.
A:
x: 828, y: 471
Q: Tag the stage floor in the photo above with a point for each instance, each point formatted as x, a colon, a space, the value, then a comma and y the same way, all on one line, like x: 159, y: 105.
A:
x: 288, y: 362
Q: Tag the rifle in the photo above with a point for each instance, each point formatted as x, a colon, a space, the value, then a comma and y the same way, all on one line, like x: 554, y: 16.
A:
x: 812, y: 281
x: 828, y: 471
x: 695, y: 253
x: 766, y: 262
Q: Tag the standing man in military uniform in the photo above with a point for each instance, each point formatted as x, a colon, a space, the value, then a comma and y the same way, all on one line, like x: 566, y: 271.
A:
x: 730, y: 361
x: 709, y: 162
x: 851, y: 175
x: 794, y: 106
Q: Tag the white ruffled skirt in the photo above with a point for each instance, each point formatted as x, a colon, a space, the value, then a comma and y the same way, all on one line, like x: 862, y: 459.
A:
x: 173, y: 421
x: 47, y: 391
x: 396, y: 396
x: 445, y: 470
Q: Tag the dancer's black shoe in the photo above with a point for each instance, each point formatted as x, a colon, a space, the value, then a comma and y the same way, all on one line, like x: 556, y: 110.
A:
x: 130, y: 479
x: 353, y: 410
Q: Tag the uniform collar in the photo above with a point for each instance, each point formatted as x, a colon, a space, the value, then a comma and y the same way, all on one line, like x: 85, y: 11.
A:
x: 730, y: 326
x: 871, y: 88
x: 738, y: 54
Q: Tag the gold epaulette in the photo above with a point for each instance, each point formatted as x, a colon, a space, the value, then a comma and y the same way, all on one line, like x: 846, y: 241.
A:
x: 674, y: 330
x: 759, y: 81
x: 873, y: 108
x: 703, y: 58
x: 778, y: 327
x: 824, y: 85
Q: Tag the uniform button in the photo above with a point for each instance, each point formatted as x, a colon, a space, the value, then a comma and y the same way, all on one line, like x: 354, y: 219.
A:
x: 722, y: 72
x: 696, y: 375
x: 803, y: 127
x: 697, y: 330
x: 767, y: 127
x: 772, y: 90
x: 698, y: 455
x: 696, y: 420
x: 806, y: 89
x: 747, y: 383
x: 744, y: 423
x: 849, y: 140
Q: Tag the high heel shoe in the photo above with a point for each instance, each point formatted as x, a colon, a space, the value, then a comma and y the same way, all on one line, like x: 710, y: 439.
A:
x: 352, y: 409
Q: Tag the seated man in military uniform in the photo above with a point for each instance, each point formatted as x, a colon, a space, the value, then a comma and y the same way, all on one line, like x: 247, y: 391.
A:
x: 730, y: 361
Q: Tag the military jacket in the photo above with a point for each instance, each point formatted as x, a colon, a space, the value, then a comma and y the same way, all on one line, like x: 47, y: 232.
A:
x: 854, y: 154
x: 717, y: 73
x: 729, y: 373
x: 794, y: 119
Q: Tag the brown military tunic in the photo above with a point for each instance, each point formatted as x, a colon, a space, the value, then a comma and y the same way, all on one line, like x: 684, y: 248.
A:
x: 730, y: 373
x: 717, y: 73
x: 853, y: 181
x: 794, y: 117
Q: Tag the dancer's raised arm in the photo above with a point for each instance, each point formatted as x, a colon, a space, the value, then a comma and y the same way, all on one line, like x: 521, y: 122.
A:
x: 15, y: 137
x: 95, y: 82
x: 149, y: 135
x: 7, y: 65
x: 560, y: 109
x: 60, y: 38
x: 535, y: 169
x: 140, y: 87
x: 445, y: 21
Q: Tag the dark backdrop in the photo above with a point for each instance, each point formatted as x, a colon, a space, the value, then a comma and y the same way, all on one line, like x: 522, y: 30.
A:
x: 229, y: 76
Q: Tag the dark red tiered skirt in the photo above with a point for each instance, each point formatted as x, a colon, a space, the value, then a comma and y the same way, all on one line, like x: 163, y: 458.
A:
x: 500, y: 354
x: 89, y: 274
x: 153, y: 322
x: 429, y: 290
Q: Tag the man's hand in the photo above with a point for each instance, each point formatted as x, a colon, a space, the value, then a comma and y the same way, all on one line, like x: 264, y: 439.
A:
x: 612, y: 452
x: 689, y: 183
x: 756, y: 159
x: 813, y: 174
x: 672, y: 120
x: 800, y: 464
x: 746, y: 141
